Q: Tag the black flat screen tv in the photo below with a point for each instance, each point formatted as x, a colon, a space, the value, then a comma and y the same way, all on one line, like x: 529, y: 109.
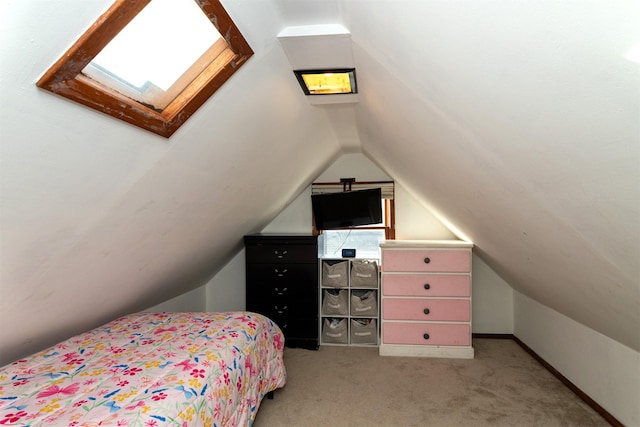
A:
x: 347, y: 209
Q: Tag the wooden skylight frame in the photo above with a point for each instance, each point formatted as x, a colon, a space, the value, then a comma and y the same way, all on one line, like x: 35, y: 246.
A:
x: 65, y: 77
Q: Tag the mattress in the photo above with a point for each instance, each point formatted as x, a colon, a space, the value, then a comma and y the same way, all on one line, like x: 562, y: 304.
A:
x: 149, y: 369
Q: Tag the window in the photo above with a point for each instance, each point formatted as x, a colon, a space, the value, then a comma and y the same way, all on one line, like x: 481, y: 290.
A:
x: 365, y: 239
x: 136, y: 65
x: 199, y: 37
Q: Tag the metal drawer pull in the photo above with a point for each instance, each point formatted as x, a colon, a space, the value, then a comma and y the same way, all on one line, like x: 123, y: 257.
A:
x: 426, y: 311
x: 281, y: 311
x: 278, y: 272
x: 279, y: 292
x: 427, y: 260
x: 280, y: 255
x: 425, y: 336
x: 427, y: 286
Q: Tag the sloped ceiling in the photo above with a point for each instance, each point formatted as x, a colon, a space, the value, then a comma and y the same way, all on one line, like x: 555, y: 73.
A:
x: 520, y: 121
x: 517, y: 121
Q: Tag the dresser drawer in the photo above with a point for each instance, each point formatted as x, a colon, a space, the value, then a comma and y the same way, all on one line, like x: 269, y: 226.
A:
x: 282, y: 310
x: 283, y: 294
x: 425, y: 309
x: 429, y: 260
x: 273, y: 253
x: 426, y: 285
x: 426, y: 334
x: 281, y: 298
x: 296, y: 292
x: 276, y: 279
x: 297, y: 327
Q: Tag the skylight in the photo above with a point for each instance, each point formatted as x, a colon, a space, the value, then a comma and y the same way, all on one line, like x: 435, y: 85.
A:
x: 327, y: 82
x: 161, y: 59
x: 151, y: 63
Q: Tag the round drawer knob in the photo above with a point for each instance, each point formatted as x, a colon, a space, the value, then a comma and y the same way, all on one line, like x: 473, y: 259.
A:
x: 427, y: 260
x: 426, y: 311
x: 427, y: 286
x: 425, y: 336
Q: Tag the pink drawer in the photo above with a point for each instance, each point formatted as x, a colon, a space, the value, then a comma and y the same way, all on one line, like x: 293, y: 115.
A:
x: 425, y: 309
x: 443, y: 260
x: 426, y: 285
x: 426, y: 334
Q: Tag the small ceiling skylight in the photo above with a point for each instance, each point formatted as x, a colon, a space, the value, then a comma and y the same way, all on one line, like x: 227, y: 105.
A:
x: 151, y: 63
x: 327, y: 82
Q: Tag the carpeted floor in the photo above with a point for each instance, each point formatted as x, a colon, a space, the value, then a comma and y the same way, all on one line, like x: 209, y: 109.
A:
x: 353, y: 387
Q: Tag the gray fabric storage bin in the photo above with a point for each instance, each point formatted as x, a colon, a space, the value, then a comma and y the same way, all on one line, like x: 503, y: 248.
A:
x: 364, y: 303
x: 335, y: 302
x: 334, y: 273
x: 364, y: 331
x: 364, y: 273
x: 335, y: 331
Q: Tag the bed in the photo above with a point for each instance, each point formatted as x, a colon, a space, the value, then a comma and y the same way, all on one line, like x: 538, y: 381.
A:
x: 149, y: 370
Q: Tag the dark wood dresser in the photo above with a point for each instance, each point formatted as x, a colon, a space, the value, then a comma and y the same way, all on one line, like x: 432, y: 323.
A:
x: 282, y: 284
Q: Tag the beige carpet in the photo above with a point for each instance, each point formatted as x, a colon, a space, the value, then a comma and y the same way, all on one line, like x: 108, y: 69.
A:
x: 353, y: 386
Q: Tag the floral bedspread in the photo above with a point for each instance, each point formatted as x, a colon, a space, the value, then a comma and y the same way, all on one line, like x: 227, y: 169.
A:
x: 149, y: 369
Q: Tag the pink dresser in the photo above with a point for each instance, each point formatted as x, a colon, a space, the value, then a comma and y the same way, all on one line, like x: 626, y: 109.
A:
x: 426, y: 298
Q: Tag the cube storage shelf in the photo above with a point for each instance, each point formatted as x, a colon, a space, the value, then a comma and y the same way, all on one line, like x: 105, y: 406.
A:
x: 349, y: 302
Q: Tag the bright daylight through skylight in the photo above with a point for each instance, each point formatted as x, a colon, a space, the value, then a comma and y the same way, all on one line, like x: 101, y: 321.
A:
x: 158, y: 46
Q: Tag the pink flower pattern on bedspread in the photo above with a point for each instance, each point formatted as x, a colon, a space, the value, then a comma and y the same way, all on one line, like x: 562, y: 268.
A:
x: 149, y: 370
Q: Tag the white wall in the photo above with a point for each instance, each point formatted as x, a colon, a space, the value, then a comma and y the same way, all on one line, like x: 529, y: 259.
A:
x: 295, y: 218
x: 492, y: 306
x: 189, y: 301
x: 604, y: 369
x: 226, y: 291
